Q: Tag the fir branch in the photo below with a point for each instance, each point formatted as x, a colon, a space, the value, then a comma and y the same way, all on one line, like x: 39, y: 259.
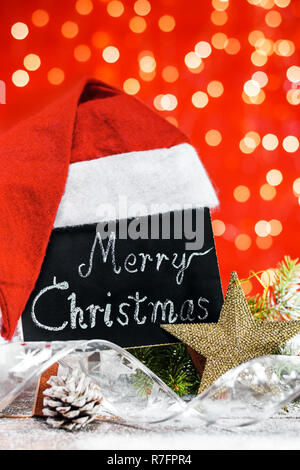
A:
x: 172, y: 364
x: 280, y: 299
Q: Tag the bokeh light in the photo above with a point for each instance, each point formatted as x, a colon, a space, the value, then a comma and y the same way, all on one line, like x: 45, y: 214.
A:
x: 115, y: 8
x: 82, y: 53
x: 40, y: 18
x: 262, y: 228
x: 19, y: 31
x: 219, y: 40
x: 84, y: 7
x: 56, y: 76
x: 203, y: 49
x: 110, y: 54
x: 290, y: 144
x: 131, y: 86
x: 166, y: 23
x: 32, y: 62
x: 274, y: 177
x: 69, y: 29
x: 270, y: 142
x: 142, y: 7
x: 241, y: 193
x: 218, y: 227
x: 267, y: 192
x: 20, y: 78
x: 192, y: 60
x: 199, y: 99
x: 215, y: 88
x: 213, y: 137
x: 242, y: 242
x: 170, y: 73
x: 137, y: 24
x: 293, y: 74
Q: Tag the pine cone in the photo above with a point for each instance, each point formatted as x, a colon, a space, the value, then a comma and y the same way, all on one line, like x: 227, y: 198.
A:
x: 72, y: 401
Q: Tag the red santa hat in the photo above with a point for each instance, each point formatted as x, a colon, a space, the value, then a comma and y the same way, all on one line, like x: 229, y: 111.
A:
x: 84, y: 150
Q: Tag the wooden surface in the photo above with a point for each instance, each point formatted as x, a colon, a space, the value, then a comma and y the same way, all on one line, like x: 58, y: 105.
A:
x: 279, y: 432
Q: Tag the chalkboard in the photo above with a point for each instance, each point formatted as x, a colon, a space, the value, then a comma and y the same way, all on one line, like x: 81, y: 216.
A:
x: 121, y: 289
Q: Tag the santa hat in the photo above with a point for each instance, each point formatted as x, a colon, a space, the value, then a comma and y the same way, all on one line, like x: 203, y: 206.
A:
x: 84, y: 150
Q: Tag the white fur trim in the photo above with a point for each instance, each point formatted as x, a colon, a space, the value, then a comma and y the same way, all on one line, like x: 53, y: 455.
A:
x: 146, y: 182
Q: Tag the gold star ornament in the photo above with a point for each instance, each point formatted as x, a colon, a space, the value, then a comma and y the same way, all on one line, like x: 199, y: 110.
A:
x: 237, y: 337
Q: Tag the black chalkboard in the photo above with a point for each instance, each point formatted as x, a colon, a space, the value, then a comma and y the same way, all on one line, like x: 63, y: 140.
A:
x: 122, y: 289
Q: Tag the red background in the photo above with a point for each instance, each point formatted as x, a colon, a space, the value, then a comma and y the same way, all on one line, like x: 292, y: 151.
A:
x: 226, y: 164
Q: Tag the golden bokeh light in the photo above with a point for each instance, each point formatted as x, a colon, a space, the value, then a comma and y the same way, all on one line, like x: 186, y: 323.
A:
x: 213, y: 137
x: 268, y: 277
x: 264, y: 243
x: 168, y: 102
x: 218, y: 227
x: 82, y: 53
x: 242, y: 242
x: 274, y: 177
x: 233, y: 46
x: 293, y: 74
x: 247, y: 286
x: 255, y: 36
x: 131, y: 86
x: 219, y: 18
x: 56, y: 76
x: 69, y: 29
x: 192, y: 60
x: 262, y: 228
x: 261, y: 78
x: 276, y: 227
x: 290, y: 144
x: 220, y: 5
x: 259, y: 58
x: 247, y: 145
x: 267, y: 192
x: 251, y: 88
x: 215, y: 88
x: 84, y: 7
x: 273, y: 18
x: 252, y: 139
x: 157, y: 102
x: 137, y: 24
x: 219, y: 40
x: 270, y: 142
x: 147, y: 76
x: 19, y: 31
x: 166, y: 23
x: 265, y: 46
x: 282, y: 3
x: 258, y: 99
x: 296, y: 187
x: 284, y: 48
x: 170, y: 74
x: 40, y: 18
x: 32, y: 62
x: 142, y: 7
x: 199, y: 99
x: 111, y: 54
x: 203, y: 49
x: 293, y: 96
x: 147, y: 63
x: 241, y: 193
x: 20, y: 78
x: 115, y: 8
